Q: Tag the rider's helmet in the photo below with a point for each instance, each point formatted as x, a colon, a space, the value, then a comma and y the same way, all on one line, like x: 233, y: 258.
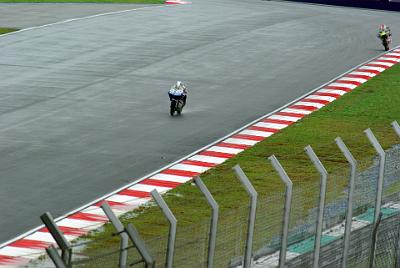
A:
x: 178, y: 84
x: 382, y: 27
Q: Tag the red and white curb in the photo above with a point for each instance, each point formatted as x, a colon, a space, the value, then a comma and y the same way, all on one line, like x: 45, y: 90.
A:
x: 33, y: 244
x: 176, y: 2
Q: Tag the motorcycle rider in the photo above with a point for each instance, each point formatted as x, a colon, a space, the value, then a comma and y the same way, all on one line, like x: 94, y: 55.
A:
x: 384, y: 32
x: 178, y: 92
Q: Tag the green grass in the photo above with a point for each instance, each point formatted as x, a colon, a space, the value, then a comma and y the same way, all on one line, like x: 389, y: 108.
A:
x: 375, y: 104
x: 7, y: 30
x: 87, y: 1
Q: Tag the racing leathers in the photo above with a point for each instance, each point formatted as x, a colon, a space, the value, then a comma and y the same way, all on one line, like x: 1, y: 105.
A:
x: 178, y: 92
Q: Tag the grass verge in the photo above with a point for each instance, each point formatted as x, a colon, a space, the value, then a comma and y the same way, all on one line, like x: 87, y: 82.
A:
x: 373, y: 105
x: 7, y: 30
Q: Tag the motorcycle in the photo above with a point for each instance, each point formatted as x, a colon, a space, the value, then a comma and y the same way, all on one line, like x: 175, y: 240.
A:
x: 176, y: 106
x: 386, y: 40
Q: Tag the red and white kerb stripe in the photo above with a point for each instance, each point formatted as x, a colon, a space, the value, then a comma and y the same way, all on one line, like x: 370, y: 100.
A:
x: 176, y: 2
x: 33, y: 245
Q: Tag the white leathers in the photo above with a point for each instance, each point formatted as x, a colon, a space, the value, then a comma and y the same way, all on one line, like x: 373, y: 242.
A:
x: 178, y: 89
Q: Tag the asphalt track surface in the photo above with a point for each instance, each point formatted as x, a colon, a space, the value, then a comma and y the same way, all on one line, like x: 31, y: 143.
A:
x: 24, y: 15
x: 84, y: 106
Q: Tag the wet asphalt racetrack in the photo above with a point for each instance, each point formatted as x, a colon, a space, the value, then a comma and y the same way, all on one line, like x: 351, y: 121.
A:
x: 84, y: 105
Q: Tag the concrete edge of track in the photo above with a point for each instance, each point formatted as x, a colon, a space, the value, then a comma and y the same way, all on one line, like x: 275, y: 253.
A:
x: 207, y: 147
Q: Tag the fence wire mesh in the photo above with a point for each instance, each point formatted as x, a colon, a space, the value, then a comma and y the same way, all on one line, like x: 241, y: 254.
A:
x: 231, y: 237
x: 191, y: 246
x: 387, y: 244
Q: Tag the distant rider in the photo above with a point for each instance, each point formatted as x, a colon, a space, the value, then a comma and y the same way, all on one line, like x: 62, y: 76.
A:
x: 178, y: 92
x: 384, y: 32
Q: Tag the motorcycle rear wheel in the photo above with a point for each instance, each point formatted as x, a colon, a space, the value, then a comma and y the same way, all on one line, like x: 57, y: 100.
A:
x: 385, y: 45
x: 172, y: 108
x: 179, y: 107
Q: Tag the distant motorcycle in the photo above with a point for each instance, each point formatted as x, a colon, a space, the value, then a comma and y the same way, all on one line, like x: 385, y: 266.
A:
x: 177, y: 95
x: 386, y: 40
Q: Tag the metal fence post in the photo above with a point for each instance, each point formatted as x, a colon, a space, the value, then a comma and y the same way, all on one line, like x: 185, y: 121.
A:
x: 379, y: 189
x: 121, y: 231
x: 62, y: 242
x: 397, y: 261
x: 252, y: 214
x: 396, y: 127
x: 214, y: 220
x: 349, y: 214
x: 140, y: 245
x: 373, y: 243
x: 324, y: 176
x: 172, y: 228
x: 58, y: 262
x: 288, y: 203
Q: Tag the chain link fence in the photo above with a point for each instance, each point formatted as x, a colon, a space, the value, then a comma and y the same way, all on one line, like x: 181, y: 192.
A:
x: 192, y: 242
